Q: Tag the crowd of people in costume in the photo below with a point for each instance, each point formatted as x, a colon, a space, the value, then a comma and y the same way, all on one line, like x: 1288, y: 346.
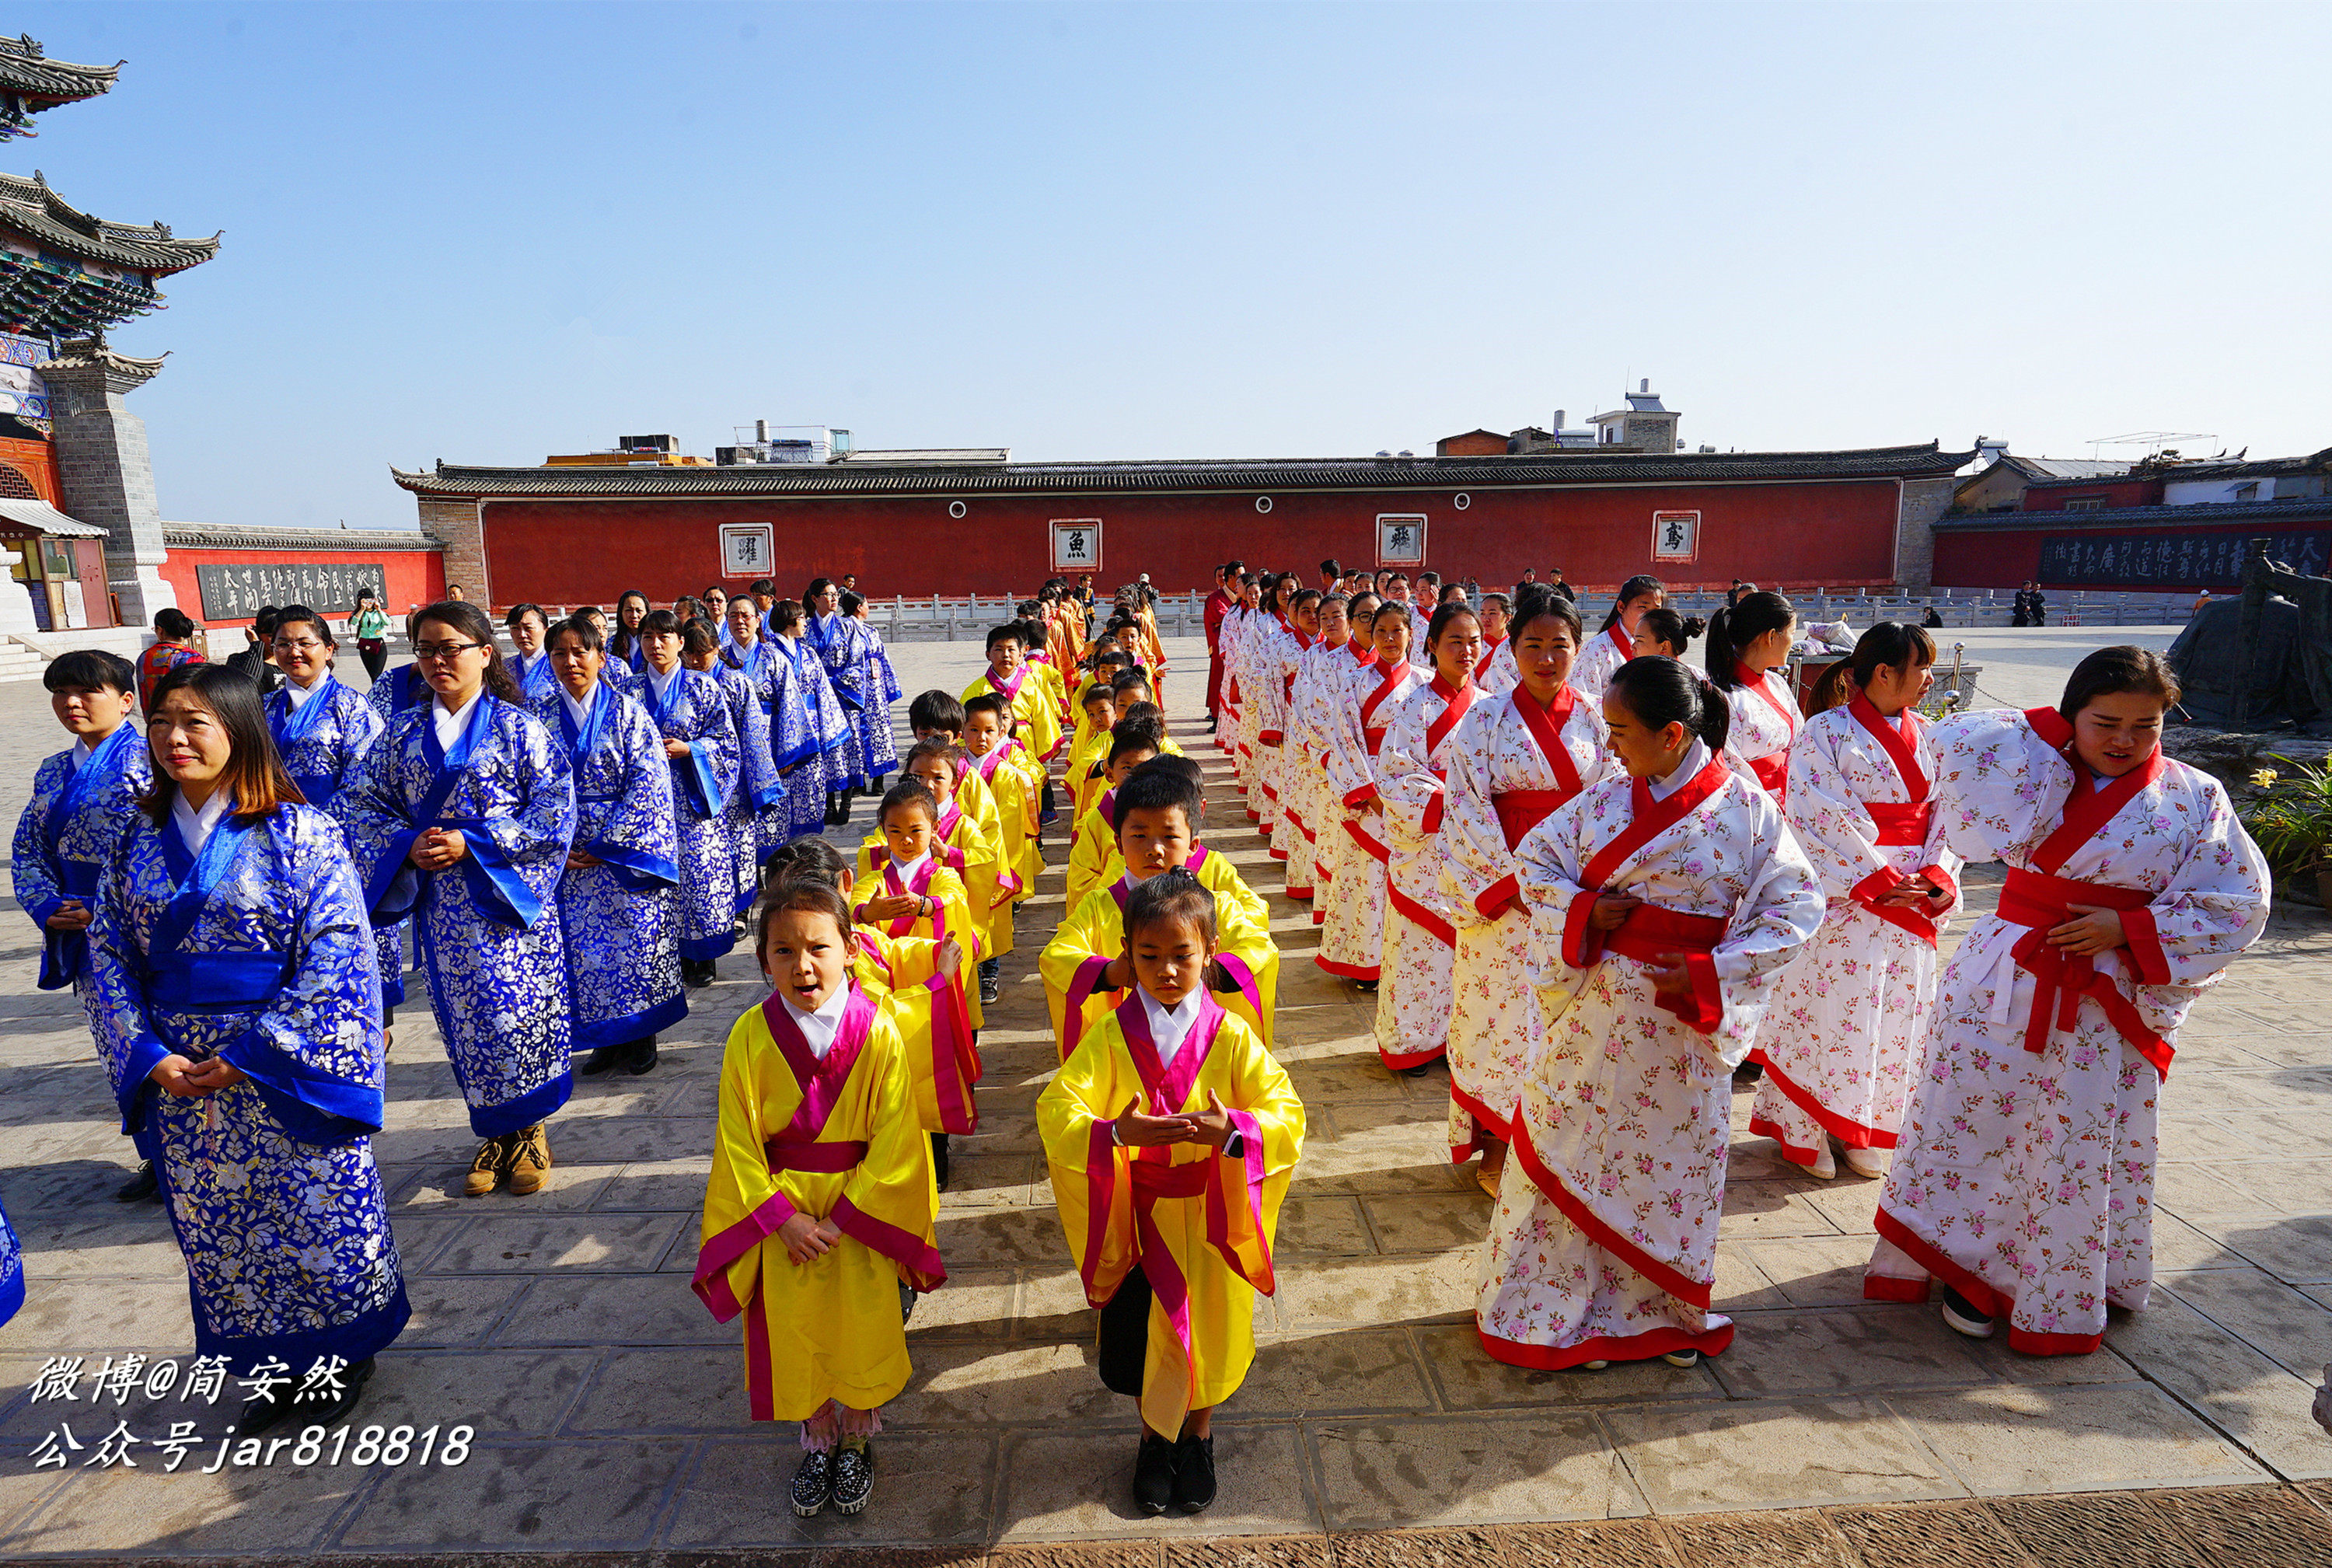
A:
x: 1599, y: 884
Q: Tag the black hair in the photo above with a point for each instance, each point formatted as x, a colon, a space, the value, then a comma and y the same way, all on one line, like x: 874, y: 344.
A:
x: 936, y: 709
x: 1151, y: 788
x: 1660, y: 691
x: 1731, y: 630
x: 908, y: 790
x: 784, y: 616
x: 808, y: 893
x: 1136, y: 732
x: 947, y: 752
x: 986, y: 703
x: 86, y: 669
x: 462, y: 616
x: 1353, y: 605
x: 699, y: 638
x: 264, y: 622
x: 1890, y: 643
x: 625, y: 639
x: 1303, y: 597
x: 808, y: 857
x: 1175, y: 897
x: 850, y: 602
x: 1636, y: 587
x: 1538, y: 602
x: 294, y: 614
x: 1330, y: 569
x: 520, y: 612
x: 254, y: 777
x: 689, y: 608
x: 817, y: 584
x: 1503, y: 602
x: 2121, y: 668
x: 1676, y: 631
x: 583, y: 629
x: 1443, y: 617
x: 173, y: 624
x: 1008, y: 632
x: 1098, y: 689
x: 659, y: 621
x: 1126, y: 680
x: 763, y: 584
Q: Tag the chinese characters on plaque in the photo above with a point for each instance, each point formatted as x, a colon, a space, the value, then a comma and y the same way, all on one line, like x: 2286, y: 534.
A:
x: 236, y: 593
x: 747, y: 548
x: 1401, y: 539
x: 1076, y: 544
x: 1675, y: 536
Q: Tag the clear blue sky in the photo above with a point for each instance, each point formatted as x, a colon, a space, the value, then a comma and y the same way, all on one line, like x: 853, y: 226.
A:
x: 488, y: 233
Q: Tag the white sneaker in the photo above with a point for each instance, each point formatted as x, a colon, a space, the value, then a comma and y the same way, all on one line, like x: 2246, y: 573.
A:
x: 1823, y: 1167
x: 1870, y: 1162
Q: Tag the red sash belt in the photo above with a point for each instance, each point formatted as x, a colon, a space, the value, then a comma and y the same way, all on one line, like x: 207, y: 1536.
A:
x: 1900, y: 822
x: 1375, y: 738
x: 1773, y: 773
x: 821, y: 1158
x: 2038, y: 903
x: 1520, y: 810
x: 1154, y: 1181
x: 1649, y: 932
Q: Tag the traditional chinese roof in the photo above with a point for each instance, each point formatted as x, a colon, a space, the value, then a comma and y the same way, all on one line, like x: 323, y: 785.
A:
x: 64, y: 272
x: 30, y: 81
x: 856, y: 477
x: 255, y: 536
x: 2303, y: 510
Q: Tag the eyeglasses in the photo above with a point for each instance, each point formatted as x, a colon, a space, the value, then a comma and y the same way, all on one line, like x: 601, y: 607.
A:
x: 302, y: 647
x: 443, y: 650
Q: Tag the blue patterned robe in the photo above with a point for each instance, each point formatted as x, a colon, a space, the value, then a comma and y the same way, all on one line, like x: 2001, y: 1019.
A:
x: 758, y: 794
x: 67, y: 837
x: 835, y: 640
x: 618, y: 920
x: 398, y: 690
x: 12, y: 1270
x: 496, y: 966
x: 794, y: 748
x: 827, y: 721
x: 257, y: 951
x: 695, y: 709
x: 322, y: 745
x: 535, y: 676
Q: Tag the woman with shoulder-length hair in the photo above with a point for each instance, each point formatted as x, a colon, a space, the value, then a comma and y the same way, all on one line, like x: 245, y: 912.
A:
x: 463, y: 818
x: 237, y: 1010
x: 1614, y: 642
x: 1748, y: 647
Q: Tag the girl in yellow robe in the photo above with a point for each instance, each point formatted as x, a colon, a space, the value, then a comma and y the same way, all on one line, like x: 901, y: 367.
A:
x: 1132, y: 742
x: 1170, y: 1137
x: 1084, y: 967
x: 820, y: 1203
x: 1036, y: 717
x: 1002, y: 766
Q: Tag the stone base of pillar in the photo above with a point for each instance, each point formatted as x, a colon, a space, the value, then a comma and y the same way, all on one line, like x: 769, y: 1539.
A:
x: 141, y: 589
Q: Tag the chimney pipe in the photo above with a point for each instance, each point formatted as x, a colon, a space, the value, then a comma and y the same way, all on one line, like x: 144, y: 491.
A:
x: 1558, y: 421
x: 761, y: 430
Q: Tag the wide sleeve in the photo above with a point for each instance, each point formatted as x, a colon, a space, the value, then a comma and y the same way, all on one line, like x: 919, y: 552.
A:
x: 1549, y: 868
x: 2215, y: 906
x: 1477, y: 869
x: 793, y: 738
x: 757, y: 769
x: 39, y: 893
x: 526, y: 845
x: 715, y: 751
x: 1244, y: 1190
x: 1825, y: 812
x: 378, y: 824
x: 114, y: 996
x: 360, y: 727
x: 1349, y: 774
x: 1073, y: 962
x: 1089, y: 855
x: 1404, y: 779
x: 1775, y: 918
x: 890, y: 1203
x: 1243, y: 943
x: 1092, y: 1184
x: 1999, y: 787
x: 743, y: 1203
x: 637, y: 834
x: 1271, y: 689
x: 314, y: 1052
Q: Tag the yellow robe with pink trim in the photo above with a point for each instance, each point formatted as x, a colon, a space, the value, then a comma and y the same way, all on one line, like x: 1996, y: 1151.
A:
x: 1216, y: 1242
x: 828, y: 1329
x: 1016, y: 798
x: 1036, y: 720
x: 1095, y: 933
x: 926, y: 1006
x: 974, y: 884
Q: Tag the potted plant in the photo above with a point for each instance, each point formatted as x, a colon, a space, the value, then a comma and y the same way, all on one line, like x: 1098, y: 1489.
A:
x: 2291, y: 821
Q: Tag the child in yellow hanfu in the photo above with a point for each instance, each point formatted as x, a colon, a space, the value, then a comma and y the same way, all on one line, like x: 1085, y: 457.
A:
x: 1015, y: 783
x: 1036, y: 720
x: 1171, y: 1136
x: 1086, y: 971
x: 1131, y: 741
x: 821, y: 1204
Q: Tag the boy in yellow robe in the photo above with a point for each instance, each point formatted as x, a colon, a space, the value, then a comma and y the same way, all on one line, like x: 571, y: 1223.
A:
x: 1170, y: 1137
x: 1132, y: 742
x: 1036, y: 720
x: 1089, y: 752
x: 938, y: 716
x: 820, y: 1203
x: 1012, y: 783
x: 1084, y: 967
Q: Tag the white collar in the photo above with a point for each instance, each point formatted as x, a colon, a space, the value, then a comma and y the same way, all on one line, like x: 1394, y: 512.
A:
x: 194, y: 827
x: 80, y: 753
x: 1685, y: 771
x: 1170, y: 1027
x: 581, y: 708
x: 908, y: 872
x: 298, y: 695
x: 659, y: 685
x: 450, y: 723
x: 819, y: 1028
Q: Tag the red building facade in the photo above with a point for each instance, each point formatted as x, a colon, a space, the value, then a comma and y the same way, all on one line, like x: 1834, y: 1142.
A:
x: 568, y: 535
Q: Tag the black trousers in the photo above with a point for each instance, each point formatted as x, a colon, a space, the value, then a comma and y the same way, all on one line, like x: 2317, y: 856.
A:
x: 1126, y: 1336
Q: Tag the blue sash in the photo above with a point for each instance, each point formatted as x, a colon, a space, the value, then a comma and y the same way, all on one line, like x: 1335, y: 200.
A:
x: 290, y: 724
x: 536, y: 679
x: 695, y: 772
x: 406, y: 688
x: 64, y: 954
x: 492, y: 881
x: 634, y: 869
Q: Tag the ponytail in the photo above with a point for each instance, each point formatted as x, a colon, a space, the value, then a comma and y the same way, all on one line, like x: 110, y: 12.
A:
x: 1733, y: 629
x: 1635, y: 587
x: 1660, y: 691
x: 1890, y: 644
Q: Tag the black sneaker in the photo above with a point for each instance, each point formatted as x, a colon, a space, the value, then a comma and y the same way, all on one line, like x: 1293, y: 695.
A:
x: 1418, y: 1071
x: 140, y: 1187
x: 1194, y: 1474
x: 1961, y: 1316
x: 990, y: 990
x: 854, y: 1478
x: 604, y: 1058
x: 643, y: 1057
x: 814, y: 1483
x: 352, y: 1383
x: 1153, y: 1474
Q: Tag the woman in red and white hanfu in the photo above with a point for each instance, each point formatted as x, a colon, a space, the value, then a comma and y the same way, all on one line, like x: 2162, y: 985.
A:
x: 1842, y: 1042
x: 1413, y: 997
x: 1352, y: 938
x: 1494, y: 670
x: 1748, y: 652
x: 1311, y: 728
x: 1227, y: 646
x: 2024, y: 1179
x: 1282, y: 659
x: 1239, y: 630
x: 1515, y: 759
x: 1614, y: 643
x: 1665, y: 903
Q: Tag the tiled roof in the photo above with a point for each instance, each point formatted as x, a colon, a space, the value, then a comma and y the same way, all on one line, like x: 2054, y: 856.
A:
x: 2304, y: 510
x: 1284, y: 474
x: 2254, y: 468
x: 26, y: 70
x: 255, y: 536
x: 29, y: 206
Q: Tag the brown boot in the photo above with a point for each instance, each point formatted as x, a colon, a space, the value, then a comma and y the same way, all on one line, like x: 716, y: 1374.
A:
x: 530, y: 1160
x: 487, y: 1169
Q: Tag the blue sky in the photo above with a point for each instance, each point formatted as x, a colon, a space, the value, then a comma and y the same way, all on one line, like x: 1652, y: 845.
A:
x: 486, y: 232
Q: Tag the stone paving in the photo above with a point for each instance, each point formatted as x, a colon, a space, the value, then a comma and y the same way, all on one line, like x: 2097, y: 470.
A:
x: 609, y: 1411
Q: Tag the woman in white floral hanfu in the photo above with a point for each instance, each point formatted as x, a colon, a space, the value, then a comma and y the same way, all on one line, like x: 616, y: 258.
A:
x: 1664, y: 905
x: 1842, y: 1042
x: 1515, y: 760
x: 1352, y: 938
x: 2024, y: 1178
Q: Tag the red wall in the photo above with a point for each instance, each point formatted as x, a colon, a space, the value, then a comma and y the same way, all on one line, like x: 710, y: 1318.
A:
x: 2125, y: 493
x: 1796, y: 533
x: 415, y: 576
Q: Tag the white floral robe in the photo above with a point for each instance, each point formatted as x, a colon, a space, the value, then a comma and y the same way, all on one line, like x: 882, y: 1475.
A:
x: 1511, y: 765
x: 1413, y: 1024
x: 2024, y: 1178
x: 1765, y: 724
x: 1495, y: 672
x: 1279, y: 658
x: 1603, y: 1245
x: 1844, y: 1036
x: 1319, y: 684
x: 1352, y: 937
x: 1599, y: 660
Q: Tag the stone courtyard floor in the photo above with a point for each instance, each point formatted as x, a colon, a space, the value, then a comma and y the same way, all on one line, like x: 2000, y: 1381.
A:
x: 608, y: 1406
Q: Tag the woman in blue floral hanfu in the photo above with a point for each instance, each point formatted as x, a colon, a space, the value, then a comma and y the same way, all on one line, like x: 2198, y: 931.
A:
x: 530, y: 662
x: 815, y: 798
x: 615, y: 900
x: 461, y: 818
x: 757, y: 774
x: 771, y: 674
x: 691, y: 711
x: 833, y: 639
x: 237, y: 1010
